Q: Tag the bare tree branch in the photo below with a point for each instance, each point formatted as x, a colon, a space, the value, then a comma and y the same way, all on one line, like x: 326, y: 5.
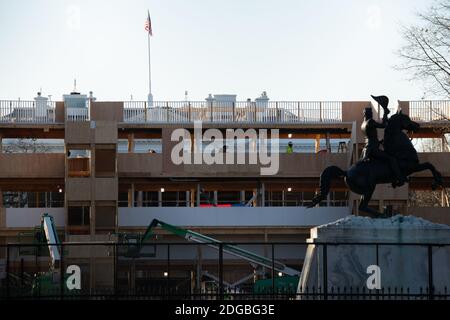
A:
x: 426, y: 52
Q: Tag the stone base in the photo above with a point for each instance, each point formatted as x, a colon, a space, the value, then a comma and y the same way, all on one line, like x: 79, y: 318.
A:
x: 404, y: 268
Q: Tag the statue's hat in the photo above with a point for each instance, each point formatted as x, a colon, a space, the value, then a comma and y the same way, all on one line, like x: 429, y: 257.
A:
x: 382, y: 100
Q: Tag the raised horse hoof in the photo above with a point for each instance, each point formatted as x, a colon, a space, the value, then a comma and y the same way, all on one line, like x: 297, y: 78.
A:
x: 399, y: 182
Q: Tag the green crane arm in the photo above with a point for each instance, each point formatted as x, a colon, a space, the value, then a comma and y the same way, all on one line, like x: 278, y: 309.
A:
x: 216, y: 244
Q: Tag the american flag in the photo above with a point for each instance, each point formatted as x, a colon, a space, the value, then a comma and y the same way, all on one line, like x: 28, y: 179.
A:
x: 148, y: 25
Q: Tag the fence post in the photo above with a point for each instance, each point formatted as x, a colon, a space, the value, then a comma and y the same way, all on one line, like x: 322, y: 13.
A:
x: 320, y: 110
x: 7, y: 271
x: 221, y: 271
x: 377, y: 263
x: 189, y: 106
x: 61, y: 268
x: 167, y: 111
x: 234, y: 111
x: 430, y: 273
x: 325, y: 273
x: 115, y: 269
x: 431, y: 111
x: 168, y: 272
x: 211, y: 113
x: 273, y: 271
x: 145, y: 110
x: 278, y: 114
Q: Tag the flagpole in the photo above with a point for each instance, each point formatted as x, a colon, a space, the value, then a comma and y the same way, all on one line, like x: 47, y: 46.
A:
x: 150, y: 96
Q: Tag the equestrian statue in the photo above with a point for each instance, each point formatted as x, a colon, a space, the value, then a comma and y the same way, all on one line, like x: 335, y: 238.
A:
x: 393, y: 163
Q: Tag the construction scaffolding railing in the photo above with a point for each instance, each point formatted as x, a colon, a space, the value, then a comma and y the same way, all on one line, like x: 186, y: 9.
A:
x: 429, y: 110
x: 81, y: 113
x: 21, y: 111
x: 233, y: 111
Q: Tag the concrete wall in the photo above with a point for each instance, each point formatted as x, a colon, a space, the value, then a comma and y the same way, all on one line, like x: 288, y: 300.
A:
x: 404, y: 105
x: 433, y: 214
x: 139, y: 164
x: 440, y: 160
x: 229, y: 217
x: 86, y: 132
x: 78, y: 132
x: 59, y: 112
x: 105, y: 132
x: 36, y: 165
x: 106, y: 189
x: 107, y: 111
x: 387, y: 192
x: 290, y: 165
x: 31, y: 217
x: 78, y: 189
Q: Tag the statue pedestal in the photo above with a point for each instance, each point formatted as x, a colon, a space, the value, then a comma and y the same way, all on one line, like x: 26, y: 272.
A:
x: 403, y: 267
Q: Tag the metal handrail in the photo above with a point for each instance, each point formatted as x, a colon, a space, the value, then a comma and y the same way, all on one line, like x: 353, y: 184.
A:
x: 233, y: 111
x: 23, y: 111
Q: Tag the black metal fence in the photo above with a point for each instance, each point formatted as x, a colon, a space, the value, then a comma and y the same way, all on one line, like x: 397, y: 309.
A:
x: 207, y: 271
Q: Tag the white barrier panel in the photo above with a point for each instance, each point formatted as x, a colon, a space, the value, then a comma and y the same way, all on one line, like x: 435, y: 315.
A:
x: 31, y: 217
x: 231, y: 217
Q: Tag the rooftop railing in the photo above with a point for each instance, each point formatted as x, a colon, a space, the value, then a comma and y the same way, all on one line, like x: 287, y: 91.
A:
x: 79, y: 112
x: 229, y: 111
x: 430, y: 110
x: 22, y: 111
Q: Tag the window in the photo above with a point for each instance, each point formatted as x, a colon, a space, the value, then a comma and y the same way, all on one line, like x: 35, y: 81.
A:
x: 78, y: 215
x: 105, y: 218
x: 105, y: 162
x: 79, y: 162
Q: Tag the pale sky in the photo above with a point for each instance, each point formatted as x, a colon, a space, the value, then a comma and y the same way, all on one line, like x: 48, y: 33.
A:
x: 293, y: 49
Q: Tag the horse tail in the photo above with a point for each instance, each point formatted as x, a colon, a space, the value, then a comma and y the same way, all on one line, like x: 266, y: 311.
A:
x: 330, y: 173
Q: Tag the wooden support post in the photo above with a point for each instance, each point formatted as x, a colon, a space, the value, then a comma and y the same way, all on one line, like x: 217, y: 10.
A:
x: 131, y: 196
x: 160, y: 198
x: 188, y: 198
x: 131, y: 143
x: 262, y: 191
x: 192, y: 202
x: 327, y: 142
x: 317, y: 143
x: 216, y: 198
x: 139, y: 199
x: 197, y: 204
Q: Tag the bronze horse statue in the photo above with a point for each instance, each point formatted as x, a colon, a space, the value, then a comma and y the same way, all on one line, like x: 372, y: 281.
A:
x: 364, y: 175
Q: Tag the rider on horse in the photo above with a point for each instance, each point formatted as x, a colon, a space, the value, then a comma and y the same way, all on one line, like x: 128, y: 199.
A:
x: 372, y: 149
